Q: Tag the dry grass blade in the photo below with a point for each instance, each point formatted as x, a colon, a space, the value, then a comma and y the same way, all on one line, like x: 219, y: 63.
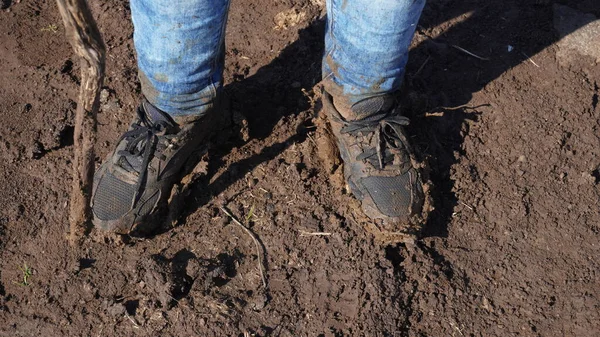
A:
x: 422, y: 66
x: 259, y: 247
x: 84, y: 36
x: 470, y: 53
x: 530, y: 60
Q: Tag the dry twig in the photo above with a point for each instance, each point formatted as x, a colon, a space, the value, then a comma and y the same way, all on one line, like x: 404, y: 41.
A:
x: 259, y: 247
x: 305, y: 233
x: 435, y: 112
x: 84, y: 36
x: 135, y: 324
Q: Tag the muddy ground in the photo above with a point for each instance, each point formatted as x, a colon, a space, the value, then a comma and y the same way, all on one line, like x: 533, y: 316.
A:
x: 511, y: 135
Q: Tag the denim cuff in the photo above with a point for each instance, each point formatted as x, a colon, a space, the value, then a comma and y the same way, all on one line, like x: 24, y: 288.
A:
x: 180, y: 104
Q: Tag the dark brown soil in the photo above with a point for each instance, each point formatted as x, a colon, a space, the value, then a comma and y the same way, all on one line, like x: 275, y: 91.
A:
x: 511, y: 248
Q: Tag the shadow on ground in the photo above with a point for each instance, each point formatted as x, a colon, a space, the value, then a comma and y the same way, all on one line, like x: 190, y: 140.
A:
x: 442, y: 74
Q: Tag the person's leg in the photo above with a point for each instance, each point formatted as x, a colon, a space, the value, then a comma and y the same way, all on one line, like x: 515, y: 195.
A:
x: 366, y: 46
x: 366, y: 50
x: 180, y: 49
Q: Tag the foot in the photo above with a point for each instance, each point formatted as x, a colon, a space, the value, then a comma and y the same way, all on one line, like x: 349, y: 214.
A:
x: 133, y: 185
x: 378, y: 159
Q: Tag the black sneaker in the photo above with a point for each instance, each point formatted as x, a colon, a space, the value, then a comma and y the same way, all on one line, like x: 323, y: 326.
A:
x: 133, y: 185
x: 378, y: 159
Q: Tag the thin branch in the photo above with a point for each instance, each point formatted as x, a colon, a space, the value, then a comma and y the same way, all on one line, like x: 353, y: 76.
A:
x: 259, y: 247
x: 84, y: 36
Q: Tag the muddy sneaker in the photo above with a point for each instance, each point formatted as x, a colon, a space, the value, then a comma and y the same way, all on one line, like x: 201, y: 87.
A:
x: 377, y: 157
x: 133, y: 185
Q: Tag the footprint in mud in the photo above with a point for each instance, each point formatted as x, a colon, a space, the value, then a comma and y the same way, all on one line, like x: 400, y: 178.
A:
x: 212, y: 286
x: 158, y: 282
x: 220, y: 271
x: 167, y: 281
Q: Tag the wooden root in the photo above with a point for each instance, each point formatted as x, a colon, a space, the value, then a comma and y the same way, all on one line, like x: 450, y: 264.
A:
x: 84, y: 36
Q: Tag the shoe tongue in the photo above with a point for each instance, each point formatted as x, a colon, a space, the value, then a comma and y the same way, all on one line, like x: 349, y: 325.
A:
x: 372, y: 105
x: 157, y: 116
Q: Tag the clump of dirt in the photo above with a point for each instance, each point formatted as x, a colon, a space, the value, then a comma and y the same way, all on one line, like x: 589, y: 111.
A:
x: 511, y: 137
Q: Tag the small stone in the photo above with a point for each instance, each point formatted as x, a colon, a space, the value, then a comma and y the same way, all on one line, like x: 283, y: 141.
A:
x: 36, y: 150
x: 116, y: 310
x: 485, y: 304
x: 104, y: 94
x: 27, y: 107
x: 252, y: 182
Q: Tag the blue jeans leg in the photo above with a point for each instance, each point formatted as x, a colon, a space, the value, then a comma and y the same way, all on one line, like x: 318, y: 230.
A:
x: 366, y: 46
x: 180, y: 51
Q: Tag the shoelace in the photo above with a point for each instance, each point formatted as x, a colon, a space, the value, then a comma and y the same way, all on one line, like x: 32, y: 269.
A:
x: 142, y: 140
x: 388, y: 135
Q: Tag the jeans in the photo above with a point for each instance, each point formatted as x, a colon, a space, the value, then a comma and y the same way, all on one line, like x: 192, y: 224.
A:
x: 180, y: 49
